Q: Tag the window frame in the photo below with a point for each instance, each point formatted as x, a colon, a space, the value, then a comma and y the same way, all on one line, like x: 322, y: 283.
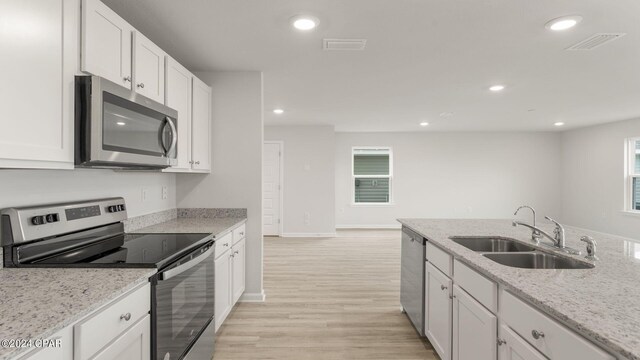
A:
x: 354, y: 176
x: 630, y: 174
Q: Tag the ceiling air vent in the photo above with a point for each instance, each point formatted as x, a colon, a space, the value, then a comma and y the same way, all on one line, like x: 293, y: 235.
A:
x: 344, y: 44
x: 595, y: 41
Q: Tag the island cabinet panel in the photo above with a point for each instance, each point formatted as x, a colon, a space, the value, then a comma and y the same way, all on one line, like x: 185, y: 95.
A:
x: 475, y: 329
x: 513, y: 347
x: 438, y: 325
x: 545, y: 334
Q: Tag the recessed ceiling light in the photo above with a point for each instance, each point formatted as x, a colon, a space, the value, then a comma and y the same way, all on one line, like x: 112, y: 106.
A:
x: 304, y: 23
x: 121, y: 123
x: 559, y: 123
x: 563, y: 23
x: 424, y: 123
x: 496, y: 88
x: 278, y: 111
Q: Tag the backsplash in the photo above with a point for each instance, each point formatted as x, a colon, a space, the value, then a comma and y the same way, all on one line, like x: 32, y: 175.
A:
x: 209, y: 213
x: 139, y: 222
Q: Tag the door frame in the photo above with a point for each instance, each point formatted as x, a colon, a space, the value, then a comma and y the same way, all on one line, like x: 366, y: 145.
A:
x: 281, y: 184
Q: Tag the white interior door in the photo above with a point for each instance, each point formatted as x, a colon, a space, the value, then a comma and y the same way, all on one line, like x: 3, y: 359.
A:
x: 271, y: 188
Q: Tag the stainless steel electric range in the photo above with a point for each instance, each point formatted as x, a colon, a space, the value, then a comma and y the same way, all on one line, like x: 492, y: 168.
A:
x: 91, y: 234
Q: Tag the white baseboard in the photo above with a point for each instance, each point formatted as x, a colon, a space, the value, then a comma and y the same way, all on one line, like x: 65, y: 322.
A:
x: 309, y: 235
x: 253, y: 297
x: 390, y: 226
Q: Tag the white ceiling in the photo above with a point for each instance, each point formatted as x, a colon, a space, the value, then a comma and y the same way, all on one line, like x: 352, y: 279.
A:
x: 423, y: 58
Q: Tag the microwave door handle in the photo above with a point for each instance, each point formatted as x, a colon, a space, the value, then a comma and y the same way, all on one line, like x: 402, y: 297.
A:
x: 174, y: 135
x: 166, y: 275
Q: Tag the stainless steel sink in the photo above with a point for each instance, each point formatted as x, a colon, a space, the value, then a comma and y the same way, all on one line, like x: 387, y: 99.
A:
x: 537, y: 260
x: 491, y: 244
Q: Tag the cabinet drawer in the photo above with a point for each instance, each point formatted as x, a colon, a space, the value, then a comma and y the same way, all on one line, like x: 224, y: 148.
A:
x: 440, y: 259
x: 478, y: 286
x: 223, y: 244
x: 92, y: 334
x: 238, y: 233
x: 555, y: 341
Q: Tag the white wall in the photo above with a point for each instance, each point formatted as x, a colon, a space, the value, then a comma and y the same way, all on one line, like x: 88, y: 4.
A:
x: 236, y: 178
x: 32, y: 187
x: 309, y: 178
x: 455, y: 175
x: 593, y: 178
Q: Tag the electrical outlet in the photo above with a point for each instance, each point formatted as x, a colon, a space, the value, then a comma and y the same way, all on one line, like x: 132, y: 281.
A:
x: 143, y: 194
x: 165, y: 193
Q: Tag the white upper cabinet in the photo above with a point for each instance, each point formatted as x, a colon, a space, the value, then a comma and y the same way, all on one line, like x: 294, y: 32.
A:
x: 39, y: 64
x: 149, y: 74
x: 201, y: 127
x: 106, y: 43
x: 178, y: 97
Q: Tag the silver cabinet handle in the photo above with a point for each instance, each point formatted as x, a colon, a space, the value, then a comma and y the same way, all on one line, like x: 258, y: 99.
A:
x: 231, y: 255
x: 501, y: 342
x: 125, y: 317
x: 197, y: 162
x: 191, y: 162
x: 537, y: 334
x: 225, y: 244
x: 141, y: 85
x: 127, y: 79
x: 242, y: 233
x: 236, y: 252
x: 442, y: 287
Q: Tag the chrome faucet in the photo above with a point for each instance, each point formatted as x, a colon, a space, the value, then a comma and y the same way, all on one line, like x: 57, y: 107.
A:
x: 558, y: 238
x: 535, y: 234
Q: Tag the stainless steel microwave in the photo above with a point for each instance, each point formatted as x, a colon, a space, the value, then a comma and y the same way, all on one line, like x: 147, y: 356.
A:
x: 118, y: 128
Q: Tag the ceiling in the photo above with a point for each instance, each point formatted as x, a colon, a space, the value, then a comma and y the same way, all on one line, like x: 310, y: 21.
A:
x: 423, y: 58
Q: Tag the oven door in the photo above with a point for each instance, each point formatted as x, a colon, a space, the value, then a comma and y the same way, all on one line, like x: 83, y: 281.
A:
x: 184, y: 295
x: 116, y: 127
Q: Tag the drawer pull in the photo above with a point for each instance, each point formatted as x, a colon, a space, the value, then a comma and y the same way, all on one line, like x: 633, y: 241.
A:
x: 127, y: 79
x: 125, y: 317
x: 442, y: 287
x: 225, y: 244
x: 236, y: 252
x: 242, y: 233
x: 501, y: 342
x: 537, y: 334
x: 141, y: 85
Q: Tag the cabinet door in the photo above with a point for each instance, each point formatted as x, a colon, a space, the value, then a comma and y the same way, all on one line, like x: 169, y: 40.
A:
x: 148, y: 75
x: 513, y: 347
x: 439, y: 311
x: 39, y: 57
x: 178, y: 97
x: 201, y: 131
x: 59, y: 347
x: 106, y: 43
x: 134, y: 344
x: 222, y: 288
x: 475, y: 329
x: 238, y: 270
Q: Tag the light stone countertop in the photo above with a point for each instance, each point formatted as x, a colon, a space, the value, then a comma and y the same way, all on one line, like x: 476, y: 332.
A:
x: 36, y: 303
x: 215, y: 226
x: 602, y: 304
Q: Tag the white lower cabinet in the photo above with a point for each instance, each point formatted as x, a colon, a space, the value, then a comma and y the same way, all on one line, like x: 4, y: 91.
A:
x: 223, y: 290
x: 133, y: 344
x: 120, y: 330
x: 474, y: 328
x: 229, y: 273
x: 513, y: 347
x: 438, y: 324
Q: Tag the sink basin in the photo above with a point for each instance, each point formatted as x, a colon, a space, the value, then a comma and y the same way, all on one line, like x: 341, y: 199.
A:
x: 491, y: 244
x: 538, y: 260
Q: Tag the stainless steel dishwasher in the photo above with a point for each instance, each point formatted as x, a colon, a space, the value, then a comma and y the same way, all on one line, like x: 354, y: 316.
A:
x: 412, y: 292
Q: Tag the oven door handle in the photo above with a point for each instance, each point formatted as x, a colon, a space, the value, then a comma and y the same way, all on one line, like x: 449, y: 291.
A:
x: 166, y: 275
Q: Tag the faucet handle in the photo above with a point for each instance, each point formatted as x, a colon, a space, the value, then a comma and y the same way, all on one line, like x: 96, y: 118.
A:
x: 591, y: 247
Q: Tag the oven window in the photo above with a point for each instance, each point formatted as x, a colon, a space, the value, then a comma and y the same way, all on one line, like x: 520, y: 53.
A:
x: 128, y: 127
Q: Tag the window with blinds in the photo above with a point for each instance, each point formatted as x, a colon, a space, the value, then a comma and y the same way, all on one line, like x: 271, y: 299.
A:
x: 372, y: 175
x: 633, y: 175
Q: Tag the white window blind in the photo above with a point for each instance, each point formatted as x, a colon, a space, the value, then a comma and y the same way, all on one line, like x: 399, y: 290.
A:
x: 372, y: 175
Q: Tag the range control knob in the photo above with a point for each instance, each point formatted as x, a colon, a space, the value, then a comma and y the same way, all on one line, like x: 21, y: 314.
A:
x: 38, y: 220
x: 52, y: 218
x: 112, y: 208
x: 121, y: 207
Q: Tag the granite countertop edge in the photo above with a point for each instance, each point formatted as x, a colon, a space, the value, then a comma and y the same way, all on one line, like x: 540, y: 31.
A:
x: 467, y: 256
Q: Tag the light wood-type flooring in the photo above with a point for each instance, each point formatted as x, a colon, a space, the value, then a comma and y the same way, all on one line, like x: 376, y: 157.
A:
x: 326, y: 298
